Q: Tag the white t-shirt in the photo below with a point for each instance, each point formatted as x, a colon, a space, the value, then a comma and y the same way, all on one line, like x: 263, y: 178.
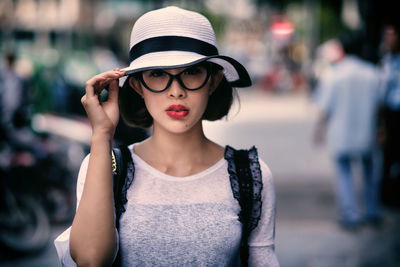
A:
x: 350, y: 97
x: 185, y: 221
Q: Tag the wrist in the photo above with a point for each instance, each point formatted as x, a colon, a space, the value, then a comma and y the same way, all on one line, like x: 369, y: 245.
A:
x: 99, y: 137
x: 103, y: 133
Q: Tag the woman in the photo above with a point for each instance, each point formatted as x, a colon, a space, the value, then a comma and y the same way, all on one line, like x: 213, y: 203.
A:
x: 180, y: 209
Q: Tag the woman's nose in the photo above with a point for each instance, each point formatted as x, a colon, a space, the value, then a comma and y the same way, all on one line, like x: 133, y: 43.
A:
x: 176, y: 90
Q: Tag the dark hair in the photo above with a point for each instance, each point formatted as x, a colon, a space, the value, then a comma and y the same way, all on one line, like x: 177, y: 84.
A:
x: 134, y: 112
x: 353, y: 42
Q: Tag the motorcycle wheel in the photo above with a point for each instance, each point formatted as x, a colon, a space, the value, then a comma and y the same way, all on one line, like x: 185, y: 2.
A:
x: 26, y: 228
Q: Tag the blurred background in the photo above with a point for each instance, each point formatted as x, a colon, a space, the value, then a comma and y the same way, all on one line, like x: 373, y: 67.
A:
x: 49, y: 48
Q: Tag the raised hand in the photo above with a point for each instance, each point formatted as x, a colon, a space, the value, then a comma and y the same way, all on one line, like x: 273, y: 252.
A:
x: 103, y: 116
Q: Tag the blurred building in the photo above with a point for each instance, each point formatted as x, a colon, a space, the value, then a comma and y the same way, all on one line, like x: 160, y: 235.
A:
x: 61, y: 43
x: 79, y: 38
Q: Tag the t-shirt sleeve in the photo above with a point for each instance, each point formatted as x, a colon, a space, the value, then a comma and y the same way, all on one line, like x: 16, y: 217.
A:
x: 62, y: 241
x: 261, y: 239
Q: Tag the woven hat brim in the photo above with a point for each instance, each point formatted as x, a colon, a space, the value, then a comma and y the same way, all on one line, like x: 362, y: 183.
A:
x: 235, y: 73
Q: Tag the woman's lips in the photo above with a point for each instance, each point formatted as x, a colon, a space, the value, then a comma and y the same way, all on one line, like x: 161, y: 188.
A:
x: 177, y: 111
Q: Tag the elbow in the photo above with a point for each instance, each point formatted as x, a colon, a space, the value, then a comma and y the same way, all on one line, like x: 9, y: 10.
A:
x: 94, y: 253
x: 92, y: 257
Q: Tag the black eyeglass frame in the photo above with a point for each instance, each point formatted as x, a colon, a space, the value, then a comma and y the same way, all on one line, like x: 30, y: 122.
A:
x: 177, y: 77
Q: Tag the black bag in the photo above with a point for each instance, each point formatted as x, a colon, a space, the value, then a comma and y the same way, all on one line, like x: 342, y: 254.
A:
x: 245, y: 178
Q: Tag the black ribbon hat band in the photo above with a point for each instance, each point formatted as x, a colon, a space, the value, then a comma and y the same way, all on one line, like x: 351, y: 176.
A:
x: 181, y: 43
x: 171, y: 43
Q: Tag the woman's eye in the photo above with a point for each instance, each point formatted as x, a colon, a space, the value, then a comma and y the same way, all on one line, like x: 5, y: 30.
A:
x: 157, y: 73
x: 193, y: 71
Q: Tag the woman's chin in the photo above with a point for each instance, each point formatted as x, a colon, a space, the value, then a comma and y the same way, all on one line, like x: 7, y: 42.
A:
x: 178, y: 126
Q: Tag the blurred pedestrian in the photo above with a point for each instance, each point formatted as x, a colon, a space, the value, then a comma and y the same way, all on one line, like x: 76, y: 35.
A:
x: 15, y: 105
x: 181, y: 189
x: 11, y: 97
x: 390, y: 117
x: 348, y: 102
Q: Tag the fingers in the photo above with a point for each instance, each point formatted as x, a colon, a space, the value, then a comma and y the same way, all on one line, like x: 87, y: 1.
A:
x: 96, y: 84
x: 113, y: 91
x: 83, y: 100
x: 114, y: 87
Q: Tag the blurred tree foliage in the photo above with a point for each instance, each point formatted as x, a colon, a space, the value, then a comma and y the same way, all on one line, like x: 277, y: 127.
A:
x: 331, y: 25
x: 219, y: 22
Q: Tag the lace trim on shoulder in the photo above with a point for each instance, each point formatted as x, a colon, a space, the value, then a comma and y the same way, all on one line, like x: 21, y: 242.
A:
x: 246, y: 182
x: 229, y: 156
x: 130, y: 174
x: 255, y: 169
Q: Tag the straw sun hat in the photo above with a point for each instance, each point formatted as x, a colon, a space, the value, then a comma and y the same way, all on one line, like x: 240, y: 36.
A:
x: 172, y: 37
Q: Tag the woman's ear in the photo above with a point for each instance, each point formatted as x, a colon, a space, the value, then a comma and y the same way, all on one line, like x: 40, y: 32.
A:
x: 216, y: 80
x: 134, y: 83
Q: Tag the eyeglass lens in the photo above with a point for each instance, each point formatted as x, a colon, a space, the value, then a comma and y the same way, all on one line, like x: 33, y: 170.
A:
x: 192, y: 78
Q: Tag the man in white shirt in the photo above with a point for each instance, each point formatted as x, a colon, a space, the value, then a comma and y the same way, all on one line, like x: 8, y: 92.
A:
x: 348, y: 101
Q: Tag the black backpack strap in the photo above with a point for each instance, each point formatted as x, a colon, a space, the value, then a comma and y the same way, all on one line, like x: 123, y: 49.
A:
x: 246, y: 182
x: 123, y: 174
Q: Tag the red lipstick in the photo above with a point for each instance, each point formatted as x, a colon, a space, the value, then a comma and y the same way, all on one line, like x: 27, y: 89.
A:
x: 177, y: 111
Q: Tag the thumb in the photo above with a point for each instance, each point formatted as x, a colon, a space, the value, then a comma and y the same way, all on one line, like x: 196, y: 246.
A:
x: 113, y: 91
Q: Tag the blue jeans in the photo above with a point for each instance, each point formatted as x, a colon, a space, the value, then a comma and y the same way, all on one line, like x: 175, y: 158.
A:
x: 347, y: 198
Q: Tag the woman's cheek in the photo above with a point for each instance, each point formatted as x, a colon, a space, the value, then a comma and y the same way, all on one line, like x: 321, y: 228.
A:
x: 152, y: 107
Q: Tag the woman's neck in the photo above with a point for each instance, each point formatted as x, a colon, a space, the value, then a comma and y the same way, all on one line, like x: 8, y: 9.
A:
x: 179, y: 154
x: 179, y: 145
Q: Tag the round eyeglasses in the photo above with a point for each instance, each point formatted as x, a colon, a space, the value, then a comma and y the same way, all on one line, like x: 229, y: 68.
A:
x: 192, y: 78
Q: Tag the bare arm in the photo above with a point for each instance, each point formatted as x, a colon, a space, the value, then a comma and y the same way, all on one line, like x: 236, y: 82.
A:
x: 320, y: 129
x: 93, y: 239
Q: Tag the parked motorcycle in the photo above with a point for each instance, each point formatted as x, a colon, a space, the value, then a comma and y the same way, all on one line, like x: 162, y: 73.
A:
x: 38, y: 184
x: 24, y: 224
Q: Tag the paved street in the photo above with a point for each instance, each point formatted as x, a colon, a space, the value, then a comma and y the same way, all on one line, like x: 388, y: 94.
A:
x: 306, y: 234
